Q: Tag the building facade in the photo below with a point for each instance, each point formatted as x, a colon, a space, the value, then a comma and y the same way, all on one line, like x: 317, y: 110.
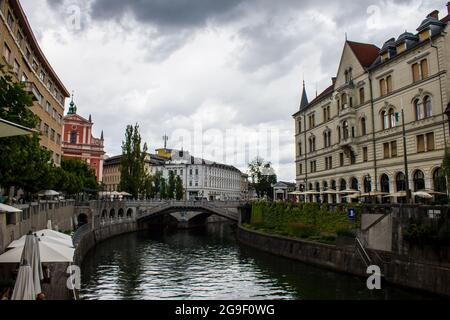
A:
x: 79, y: 143
x: 244, y: 186
x: 350, y: 137
x: 23, y: 56
x: 202, y: 179
x: 111, y: 170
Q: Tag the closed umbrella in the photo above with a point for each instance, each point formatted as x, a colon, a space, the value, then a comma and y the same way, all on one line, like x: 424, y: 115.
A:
x: 30, y: 253
x: 24, y: 286
x: 48, y: 193
x: 422, y: 194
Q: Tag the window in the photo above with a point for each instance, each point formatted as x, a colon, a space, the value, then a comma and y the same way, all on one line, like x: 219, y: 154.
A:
x: 400, y: 182
x: 300, y: 168
x: 420, y: 144
x: 73, y: 137
x: 345, y: 130
x: 363, y: 127
x: 392, y: 121
x: 46, y: 128
x: 385, y: 120
x: 424, y: 68
x: 34, y: 64
x: 196, y: 172
x: 362, y: 97
x: 48, y: 107
x: 419, y: 180
x: 344, y: 101
x: 313, y: 166
x: 382, y: 87
x: 430, y: 141
x: 58, y: 138
x: 42, y: 75
x: 299, y: 126
x: 393, y: 149
x: 49, y: 84
x: 386, y: 153
x: 16, y: 67
x: 10, y: 20
x: 418, y: 109
x: 28, y: 54
x: 341, y: 159
x: 299, y: 149
x: 327, y: 139
x: 352, y: 158
x: 389, y: 84
x: 52, y: 135
x: 19, y: 38
x: 416, y: 72
x: 385, y: 183
x: 428, y: 107
x: 24, y: 78
x: 312, y: 144
x: 7, y: 53
x: 365, y: 154
x: 312, y: 121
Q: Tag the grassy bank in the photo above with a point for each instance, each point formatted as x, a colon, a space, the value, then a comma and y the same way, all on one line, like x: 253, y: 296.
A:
x: 304, y: 221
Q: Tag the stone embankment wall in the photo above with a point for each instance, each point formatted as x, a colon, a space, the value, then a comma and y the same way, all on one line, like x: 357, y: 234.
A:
x: 397, y: 269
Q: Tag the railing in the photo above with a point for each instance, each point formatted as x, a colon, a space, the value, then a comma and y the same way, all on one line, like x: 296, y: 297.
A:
x: 362, y: 252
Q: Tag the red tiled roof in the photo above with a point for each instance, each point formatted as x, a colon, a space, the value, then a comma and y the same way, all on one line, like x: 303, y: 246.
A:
x: 324, y: 93
x: 366, y: 53
x: 446, y: 19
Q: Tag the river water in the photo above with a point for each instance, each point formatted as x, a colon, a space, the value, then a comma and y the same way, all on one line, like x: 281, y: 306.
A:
x: 209, y: 263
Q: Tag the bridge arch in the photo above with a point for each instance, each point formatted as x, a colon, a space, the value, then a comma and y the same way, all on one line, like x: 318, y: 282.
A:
x: 129, y: 213
x: 112, y: 213
x: 104, y: 214
x: 121, y: 213
x: 82, y: 219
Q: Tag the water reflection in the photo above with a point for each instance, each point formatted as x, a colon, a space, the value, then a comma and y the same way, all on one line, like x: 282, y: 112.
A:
x: 209, y: 264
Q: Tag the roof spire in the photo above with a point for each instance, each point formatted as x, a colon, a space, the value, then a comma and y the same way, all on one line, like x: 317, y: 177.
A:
x: 101, y: 137
x: 304, y: 101
x: 72, y: 108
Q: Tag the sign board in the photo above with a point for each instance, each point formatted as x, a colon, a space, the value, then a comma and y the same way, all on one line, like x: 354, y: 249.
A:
x: 351, y: 213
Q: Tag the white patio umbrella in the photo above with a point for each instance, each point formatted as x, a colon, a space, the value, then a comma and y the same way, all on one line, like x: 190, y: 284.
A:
x: 346, y: 191
x: 24, y: 286
x: 398, y: 194
x: 373, y: 194
x: 48, y: 193
x: 53, y: 234
x: 432, y: 192
x: 6, y: 208
x: 43, y: 238
x: 125, y: 194
x: 49, y: 253
x: 422, y: 194
x: 296, y: 193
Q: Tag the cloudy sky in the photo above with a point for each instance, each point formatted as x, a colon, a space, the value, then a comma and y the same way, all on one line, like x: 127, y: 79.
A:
x: 213, y: 74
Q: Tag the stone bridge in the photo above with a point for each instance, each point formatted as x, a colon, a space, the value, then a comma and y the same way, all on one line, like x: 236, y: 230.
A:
x: 101, y: 212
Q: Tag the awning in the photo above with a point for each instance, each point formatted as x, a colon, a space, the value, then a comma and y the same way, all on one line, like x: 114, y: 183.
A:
x: 11, y: 129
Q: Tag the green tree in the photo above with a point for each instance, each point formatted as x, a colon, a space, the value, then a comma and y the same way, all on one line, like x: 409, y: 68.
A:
x: 163, y: 189
x: 263, y: 176
x: 179, y: 191
x: 75, y: 176
x: 23, y: 162
x: 171, y: 185
x: 133, y: 162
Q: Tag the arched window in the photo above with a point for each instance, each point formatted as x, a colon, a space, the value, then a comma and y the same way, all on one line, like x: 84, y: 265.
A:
x: 345, y: 130
x: 362, y: 97
x: 418, y: 109
x: 392, y: 122
x: 419, y: 180
x: 333, y: 185
x: 325, y: 185
x: 428, y: 107
x: 317, y: 187
x: 367, y: 184
x: 363, y: 127
x: 439, y: 183
x: 385, y: 183
x: 355, y: 185
x: 400, y: 182
x: 343, y: 184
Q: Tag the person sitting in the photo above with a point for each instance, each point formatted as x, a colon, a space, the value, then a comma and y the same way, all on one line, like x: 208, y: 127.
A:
x: 47, y: 274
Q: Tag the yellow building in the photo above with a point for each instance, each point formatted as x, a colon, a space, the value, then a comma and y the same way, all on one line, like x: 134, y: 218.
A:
x: 21, y: 52
x: 350, y: 137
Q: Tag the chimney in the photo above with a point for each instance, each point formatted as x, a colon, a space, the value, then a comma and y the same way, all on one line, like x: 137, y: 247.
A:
x: 434, y: 14
x: 333, y: 80
x: 448, y: 7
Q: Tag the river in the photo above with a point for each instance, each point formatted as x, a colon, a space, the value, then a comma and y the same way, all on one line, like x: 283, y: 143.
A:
x: 209, y: 263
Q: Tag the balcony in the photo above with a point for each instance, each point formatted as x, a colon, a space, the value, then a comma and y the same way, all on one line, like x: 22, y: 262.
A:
x: 347, y: 113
